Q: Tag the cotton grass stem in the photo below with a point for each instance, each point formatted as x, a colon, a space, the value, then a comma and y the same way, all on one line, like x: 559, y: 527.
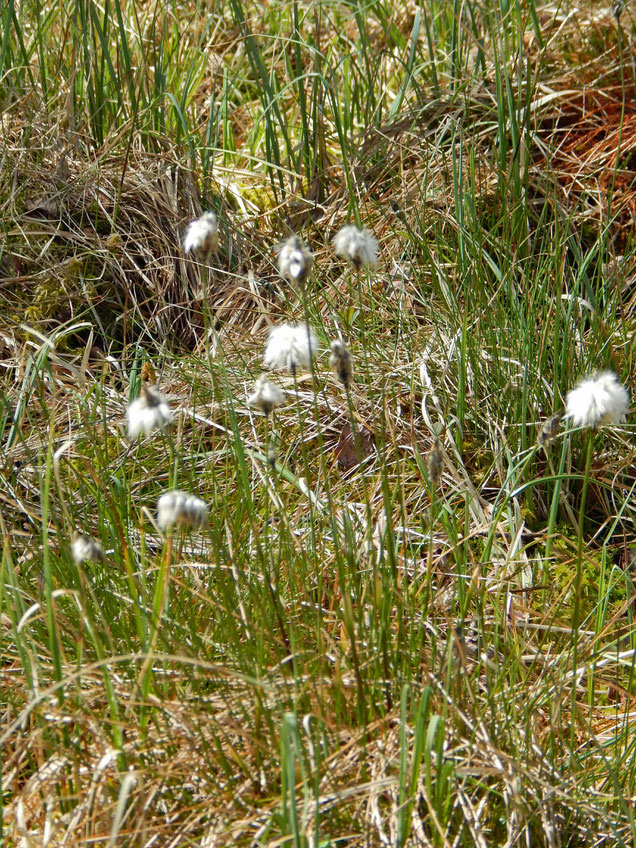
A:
x: 54, y: 636
x: 268, y: 550
x: 160, y: 600
x: 428, y: 579
x: 556, y: 497
x: 357, y: 444
x: 578, y: 583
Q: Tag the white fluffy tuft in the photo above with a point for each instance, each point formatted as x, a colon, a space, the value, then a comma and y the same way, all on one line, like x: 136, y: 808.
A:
x: 149, y: 412
x: 85, y: 549
x: 266, y: 396
x: 202, y: 236
x: 180, y: 508
x: 290, y: 347
x: 598, y: 399
x: 356, y: 246
x: 295, y: 260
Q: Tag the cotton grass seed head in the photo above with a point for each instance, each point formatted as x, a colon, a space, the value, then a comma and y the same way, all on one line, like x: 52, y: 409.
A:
x: 290, y: 347
x: 85, y: 549
x: 180, y: 508
x: 617, y: 7
x: 549, y: 430
x: 202, y: 237
x: 356, y: 246
x: 266, y: 396
x: 341, y: 362
x: 295, y: 260
x: 597, y: 399
x: 150, y: 411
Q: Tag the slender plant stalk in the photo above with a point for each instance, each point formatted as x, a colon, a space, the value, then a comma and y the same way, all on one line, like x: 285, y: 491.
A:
x: 578, y: 583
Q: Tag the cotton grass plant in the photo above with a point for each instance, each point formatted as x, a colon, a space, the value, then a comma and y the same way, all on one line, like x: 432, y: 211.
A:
x: 290, y: 347
x: 266, y: 396
x: 356, y: 246
x: 181, y: 509
x: 201, y: 238
x: 150, y: 411
x: 294, y: 260
x: 433, y: 645
x: 85, y: 549
x: 599, y: 399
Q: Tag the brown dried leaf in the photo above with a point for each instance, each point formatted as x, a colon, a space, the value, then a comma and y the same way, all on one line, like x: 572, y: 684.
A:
x: 43, y: 207
x: 346, y: 451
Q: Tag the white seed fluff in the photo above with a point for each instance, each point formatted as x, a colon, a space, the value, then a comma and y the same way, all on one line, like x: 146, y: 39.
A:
x: 295, y: 260
x: 180, y: 508
x: 290, y: 347
x: 202, y: 236
x: 150, y: 411
x: 356, y: 246
x: 266, y: 396
x: 598, y: 399
x: 86, y: 549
